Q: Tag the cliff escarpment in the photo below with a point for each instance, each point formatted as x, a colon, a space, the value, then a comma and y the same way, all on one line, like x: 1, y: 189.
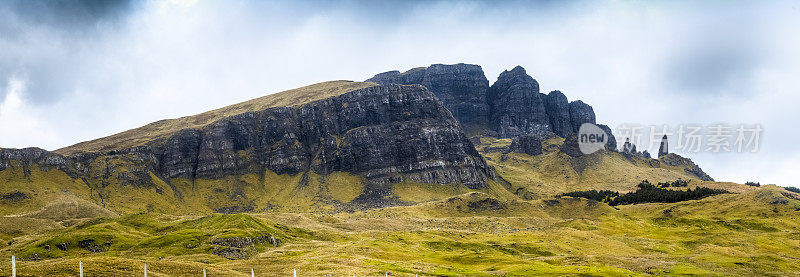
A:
x: 510, y: 107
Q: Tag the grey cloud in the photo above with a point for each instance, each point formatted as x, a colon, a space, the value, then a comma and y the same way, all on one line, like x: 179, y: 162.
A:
x: 78, y: 14
x: 44, y: 42
x: 714, y: 68
x: 719, y: 50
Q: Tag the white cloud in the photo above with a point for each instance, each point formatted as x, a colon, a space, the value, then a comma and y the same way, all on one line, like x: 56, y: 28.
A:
x: 21, y: 123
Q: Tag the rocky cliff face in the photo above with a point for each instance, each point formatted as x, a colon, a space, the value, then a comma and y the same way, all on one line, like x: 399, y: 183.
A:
x: 387, y: 134
x: 462, y: 88
x: 580, y: 113
x: 27, y: 157
x: 611, y: 143
x: 690, y: 167
x: 517, y: 106
x: 558, y: 112
x: 511, y: 107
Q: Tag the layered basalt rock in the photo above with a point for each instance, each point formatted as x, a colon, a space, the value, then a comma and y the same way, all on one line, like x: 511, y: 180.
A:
x: 26, y: 157
x: 462, y: 88
x: 511, y: 107
x: 557, y: 108
x: 517, y: 106
x: 386, y: 133
x: 580, y: 113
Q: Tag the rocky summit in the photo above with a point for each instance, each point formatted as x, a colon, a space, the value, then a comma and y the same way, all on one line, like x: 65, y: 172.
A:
x: 462, y: 88
x: 510, y: 107
x: 517, y: 106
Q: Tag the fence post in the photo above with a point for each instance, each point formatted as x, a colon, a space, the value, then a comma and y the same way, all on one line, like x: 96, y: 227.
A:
x: 13, y: 266
x: 145, y: 270
x: 252, y: 273
x: 204, y: 272
x: 80, y: 268
x: 294, y: 271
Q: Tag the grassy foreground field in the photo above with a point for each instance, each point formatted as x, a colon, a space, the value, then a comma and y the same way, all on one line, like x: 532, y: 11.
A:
x: 754, y: 232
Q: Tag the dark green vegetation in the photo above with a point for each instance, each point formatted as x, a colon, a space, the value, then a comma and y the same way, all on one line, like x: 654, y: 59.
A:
x: 675, y: 184
x: 793, y: 189
x: 649, y: 193
x: 753, y: 184
x: 606, y: 196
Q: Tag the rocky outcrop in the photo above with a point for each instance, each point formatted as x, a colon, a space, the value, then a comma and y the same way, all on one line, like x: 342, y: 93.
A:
x: 528, y: 144
x: 663, y: 149
x: 517, y: 106
x: 29, y: 156
x: 611, y: 143
x: 511, y: 107
x: 414, y: 76
x: 557, y: 108
x: 462, y: 88
x: 571, y: 146
x: 689, y: 166
x: 580, y: 113
x: 629, y: 149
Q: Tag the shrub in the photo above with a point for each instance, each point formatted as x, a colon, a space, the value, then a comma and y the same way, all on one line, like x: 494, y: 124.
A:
x: 676, y: 184
x: 648, y: 193
x: 752, y: 184
x: 793, y: 189
x: 600, y: 196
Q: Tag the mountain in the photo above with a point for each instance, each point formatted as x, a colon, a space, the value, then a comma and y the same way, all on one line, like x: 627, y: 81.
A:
x: 268, y: 151
x: 337, y: 145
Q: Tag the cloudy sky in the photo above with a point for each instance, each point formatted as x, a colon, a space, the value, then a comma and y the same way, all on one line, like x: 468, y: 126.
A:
x: 73, y: 71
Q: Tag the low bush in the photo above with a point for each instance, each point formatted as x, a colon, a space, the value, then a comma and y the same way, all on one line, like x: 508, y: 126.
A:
x: 753, y: 184
x: 648, y: 193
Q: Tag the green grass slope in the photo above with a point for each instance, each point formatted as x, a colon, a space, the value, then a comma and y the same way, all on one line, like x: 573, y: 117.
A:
x: 553, y: 172
x: 753, y: 233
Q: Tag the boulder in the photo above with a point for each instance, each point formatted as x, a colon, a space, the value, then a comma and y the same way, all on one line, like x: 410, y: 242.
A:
x: 528, y: 144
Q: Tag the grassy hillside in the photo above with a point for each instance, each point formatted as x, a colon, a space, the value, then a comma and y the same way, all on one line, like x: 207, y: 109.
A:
x: 164, y: 128
x: 752, y: 233
x: 553, y: 172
